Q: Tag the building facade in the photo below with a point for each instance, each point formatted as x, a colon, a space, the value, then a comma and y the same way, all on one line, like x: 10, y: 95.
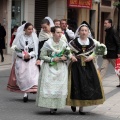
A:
x: 107, y: 10
x: 59, y: 9
x: 13, y: 12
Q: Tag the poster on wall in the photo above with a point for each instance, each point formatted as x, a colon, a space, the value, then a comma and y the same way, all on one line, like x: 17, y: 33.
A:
x: 80, y: 3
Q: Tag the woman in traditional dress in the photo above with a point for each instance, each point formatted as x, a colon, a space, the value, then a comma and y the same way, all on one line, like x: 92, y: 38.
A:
x: 26, y: 70
x: 85, y: 87
x: 44, y: 34
x: 14, y: 31
x: 92, y: 36
x: 52, y: 86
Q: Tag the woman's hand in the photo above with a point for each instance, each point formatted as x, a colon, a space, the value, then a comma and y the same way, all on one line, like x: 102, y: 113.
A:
x: 63, y: 58
x: 74, y: 59
x: 89, y: 58
x: 26, y: 56
x: 118, y: 55
x: 57, y: 59
x: 38, y: 62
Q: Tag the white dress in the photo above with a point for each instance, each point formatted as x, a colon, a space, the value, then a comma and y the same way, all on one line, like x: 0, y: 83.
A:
x: 52, y: 86
x: 27, y: 73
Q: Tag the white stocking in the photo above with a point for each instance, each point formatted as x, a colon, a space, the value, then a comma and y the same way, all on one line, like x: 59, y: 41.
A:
x: 81, y: 109
x: 25, y: 94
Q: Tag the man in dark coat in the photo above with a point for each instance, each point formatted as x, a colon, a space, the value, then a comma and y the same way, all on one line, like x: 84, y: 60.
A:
x: 2, y: 41
x: 112, y: 42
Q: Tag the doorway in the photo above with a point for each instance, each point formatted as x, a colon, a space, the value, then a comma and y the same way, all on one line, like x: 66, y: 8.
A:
x: 72, y: 18
x: 104, y: 15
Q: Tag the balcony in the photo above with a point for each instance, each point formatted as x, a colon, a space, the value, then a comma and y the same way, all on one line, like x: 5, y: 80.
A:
x: 106, y: 2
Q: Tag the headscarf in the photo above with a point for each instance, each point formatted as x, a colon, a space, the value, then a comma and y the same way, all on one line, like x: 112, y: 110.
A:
x: 84, y: 23
x: 51, y: 21
x: 43, y: 35
x: 21, y: 32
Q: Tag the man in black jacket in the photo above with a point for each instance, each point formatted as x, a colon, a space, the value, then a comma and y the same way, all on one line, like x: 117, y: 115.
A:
x: 112, y: 42
x: 2, y: 41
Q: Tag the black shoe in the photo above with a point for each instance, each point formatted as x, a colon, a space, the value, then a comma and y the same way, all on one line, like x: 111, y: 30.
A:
x: 118, y: 86
x: 2, y: 60
x: 52, y: 111
x: 55, y: 110
x: 73, y: 108
x: 25, y: 99
x: 82, y: 113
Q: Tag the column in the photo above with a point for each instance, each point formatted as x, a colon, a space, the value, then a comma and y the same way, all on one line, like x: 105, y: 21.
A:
x: 29, y: 11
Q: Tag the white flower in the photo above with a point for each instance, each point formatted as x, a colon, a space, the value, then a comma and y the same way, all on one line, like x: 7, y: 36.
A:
x: 117, y: 71
x: 102, y: 45
x: 53, y: 53
x: 14, y: 47
x: 101, y: 49
x: 68, y: 48
x: 105, y: 53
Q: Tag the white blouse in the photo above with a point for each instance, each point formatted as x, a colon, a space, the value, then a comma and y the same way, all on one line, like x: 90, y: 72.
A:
x: 84, y: 42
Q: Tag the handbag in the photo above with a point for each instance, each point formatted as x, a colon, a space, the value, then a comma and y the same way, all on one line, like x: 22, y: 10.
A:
x: 117, y: 66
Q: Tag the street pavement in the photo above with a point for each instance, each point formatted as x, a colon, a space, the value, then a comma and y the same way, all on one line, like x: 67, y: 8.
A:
x: 13, y: 108
x: 7, y: 62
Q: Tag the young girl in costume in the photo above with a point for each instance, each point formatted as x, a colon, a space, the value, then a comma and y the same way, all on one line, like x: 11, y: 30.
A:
x: 52, y: 87
x: 25, y: 68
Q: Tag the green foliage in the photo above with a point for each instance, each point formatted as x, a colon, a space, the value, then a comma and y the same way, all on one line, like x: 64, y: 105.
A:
x: 100, y: 50
x: 64, y: 52
x: 117, y: 4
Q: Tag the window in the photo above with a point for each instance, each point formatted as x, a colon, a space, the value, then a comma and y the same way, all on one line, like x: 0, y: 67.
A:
x: 106, y: 2
x: 17, y: 11
x: 41, y: 11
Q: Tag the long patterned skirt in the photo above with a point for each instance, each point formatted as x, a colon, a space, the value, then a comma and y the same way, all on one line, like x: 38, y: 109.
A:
x: 52, y: 86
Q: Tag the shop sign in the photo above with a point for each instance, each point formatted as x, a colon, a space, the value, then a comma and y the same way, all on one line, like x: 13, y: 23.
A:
x: 80, y: 3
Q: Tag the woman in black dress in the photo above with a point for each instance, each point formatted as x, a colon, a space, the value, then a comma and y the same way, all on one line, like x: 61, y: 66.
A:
x: 85, y: 87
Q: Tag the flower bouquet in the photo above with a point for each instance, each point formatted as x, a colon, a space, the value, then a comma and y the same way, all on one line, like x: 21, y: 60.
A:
x: 100, y: 49
x: 64, y: 52
x: 14, y: 48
